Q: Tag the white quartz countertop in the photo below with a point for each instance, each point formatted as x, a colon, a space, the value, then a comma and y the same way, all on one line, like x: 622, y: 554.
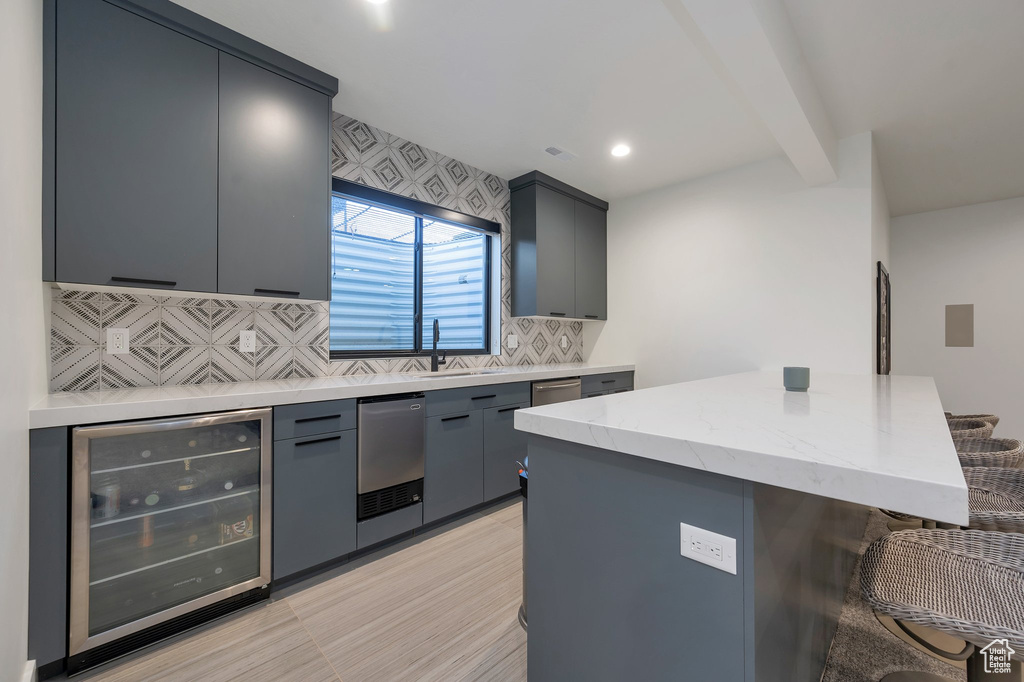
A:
x: 872, y: 440
x: 91, y: 407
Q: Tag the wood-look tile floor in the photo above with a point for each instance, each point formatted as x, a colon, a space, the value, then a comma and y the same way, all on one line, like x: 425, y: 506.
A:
x: 441, y: 606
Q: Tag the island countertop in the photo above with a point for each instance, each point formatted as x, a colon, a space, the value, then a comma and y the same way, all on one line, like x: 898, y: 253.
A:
x: 880, y: 441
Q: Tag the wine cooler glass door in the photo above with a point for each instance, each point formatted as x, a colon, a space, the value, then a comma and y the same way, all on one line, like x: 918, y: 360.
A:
x: 168, y: 516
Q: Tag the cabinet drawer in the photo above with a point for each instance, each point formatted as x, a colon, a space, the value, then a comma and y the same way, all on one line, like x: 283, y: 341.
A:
x: 314, y: 501
x: 386, y: 526
x: 476, y: 398
x: 606, y: 382
x: 310, y: 419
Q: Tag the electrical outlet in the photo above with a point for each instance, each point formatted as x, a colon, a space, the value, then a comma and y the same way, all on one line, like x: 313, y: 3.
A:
x: 565, y: 342
x: 117, y: 341
x: 247, y: 341
x: 513, y: 342
x: 718, y: 551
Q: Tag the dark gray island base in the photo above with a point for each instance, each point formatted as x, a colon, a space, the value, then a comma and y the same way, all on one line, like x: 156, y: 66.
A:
x: 612, y: 598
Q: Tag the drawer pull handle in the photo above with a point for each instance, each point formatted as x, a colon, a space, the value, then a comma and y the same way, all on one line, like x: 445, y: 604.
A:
x: 590, y: 317
x: 276, y: 292
x: 608, y: 381
x: 306, y: 420
x: 508, y: 409
x: 484, y: 397
x: 318, y: 440
x: 461, y: 416
x: 557, y: 314
x: 137, y: 280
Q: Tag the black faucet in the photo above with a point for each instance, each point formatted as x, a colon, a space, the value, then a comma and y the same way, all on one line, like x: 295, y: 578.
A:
x: 434, y: 362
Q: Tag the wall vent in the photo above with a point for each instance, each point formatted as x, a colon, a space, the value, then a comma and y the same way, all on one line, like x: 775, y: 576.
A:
x: 560, y: 154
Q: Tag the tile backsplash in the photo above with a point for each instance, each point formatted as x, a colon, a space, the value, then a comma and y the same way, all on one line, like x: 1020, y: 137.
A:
x: 186, y: 340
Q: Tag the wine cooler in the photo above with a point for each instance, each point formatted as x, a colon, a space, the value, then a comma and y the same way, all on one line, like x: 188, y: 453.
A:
x: 168, y: 518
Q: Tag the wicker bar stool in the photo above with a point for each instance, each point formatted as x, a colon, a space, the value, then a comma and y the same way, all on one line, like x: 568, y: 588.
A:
x: 970, y: 428
x: 992, y: 419
x: 996, y: 498
x: 966, y: 583
x: 989, y: 452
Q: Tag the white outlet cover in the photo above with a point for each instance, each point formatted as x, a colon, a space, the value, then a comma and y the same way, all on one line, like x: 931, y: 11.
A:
x: 118, y: 341
x: 513, y: 342
x: 247, y: 341
x: 717, y: 551
x: 565, y: 341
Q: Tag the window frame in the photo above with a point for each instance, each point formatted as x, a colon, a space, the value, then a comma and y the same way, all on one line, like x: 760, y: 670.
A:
x: 347, y: 189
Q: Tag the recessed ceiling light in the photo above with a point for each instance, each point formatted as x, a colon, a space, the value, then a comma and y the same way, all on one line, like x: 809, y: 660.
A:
x: 620, y: 150
x: 377, y: 2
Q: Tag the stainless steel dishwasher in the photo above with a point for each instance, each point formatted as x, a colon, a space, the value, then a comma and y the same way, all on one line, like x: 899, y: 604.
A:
x: 389, y: 469
x: 555, y: 391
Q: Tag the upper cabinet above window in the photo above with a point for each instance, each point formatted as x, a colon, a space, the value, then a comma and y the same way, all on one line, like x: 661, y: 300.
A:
x: 559, y: 250
x: 181, y: 155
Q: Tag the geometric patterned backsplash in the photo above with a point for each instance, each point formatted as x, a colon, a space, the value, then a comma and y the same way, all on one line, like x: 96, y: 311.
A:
x: 185, y: 340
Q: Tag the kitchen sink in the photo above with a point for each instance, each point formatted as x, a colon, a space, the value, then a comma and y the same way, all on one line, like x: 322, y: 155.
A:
x: 467, y: 373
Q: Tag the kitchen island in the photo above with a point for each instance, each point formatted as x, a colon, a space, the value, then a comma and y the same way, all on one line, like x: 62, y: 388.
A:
x: 618, y: 589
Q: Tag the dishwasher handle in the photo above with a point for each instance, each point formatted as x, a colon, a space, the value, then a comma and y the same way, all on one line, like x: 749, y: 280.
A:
x: 549, y: 387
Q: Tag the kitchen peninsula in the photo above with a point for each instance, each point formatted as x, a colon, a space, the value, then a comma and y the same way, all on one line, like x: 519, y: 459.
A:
x: 621, y: 587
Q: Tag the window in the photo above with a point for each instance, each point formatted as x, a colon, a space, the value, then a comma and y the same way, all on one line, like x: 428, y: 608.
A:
x: 397, y: 265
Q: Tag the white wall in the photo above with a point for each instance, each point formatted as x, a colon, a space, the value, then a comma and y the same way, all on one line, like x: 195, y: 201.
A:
x: 880, y: 245
x: 970, y: 254
x: 746, y: 269
x: 23, y: 343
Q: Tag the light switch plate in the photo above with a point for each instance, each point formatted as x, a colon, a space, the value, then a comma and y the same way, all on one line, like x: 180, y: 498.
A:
x: 513, y: 342
x: 247, y: 341
x: 118, y: 341
x: 717, y: 551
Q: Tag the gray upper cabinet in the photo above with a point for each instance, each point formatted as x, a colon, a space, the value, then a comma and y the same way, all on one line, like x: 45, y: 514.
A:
x: 136, y: 153
x: 182, y: 155
x: 275, y: 185
x: 559, y: 252
x: 591, y: 262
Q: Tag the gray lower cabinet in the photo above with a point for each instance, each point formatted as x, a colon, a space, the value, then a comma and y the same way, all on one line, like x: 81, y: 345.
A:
x: 453, y: 470
x: 503, y: 447
x: 314, y: 501
x: 136, y: 159
x: 275, y: 185
x: 48, y: 497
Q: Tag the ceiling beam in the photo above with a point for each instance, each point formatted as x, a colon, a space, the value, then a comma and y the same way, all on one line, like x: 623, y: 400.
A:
x: 753, y: 48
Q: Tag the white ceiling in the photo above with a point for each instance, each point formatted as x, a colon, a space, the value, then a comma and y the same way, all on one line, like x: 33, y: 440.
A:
x: 494, y: 82
x: 941, y: 82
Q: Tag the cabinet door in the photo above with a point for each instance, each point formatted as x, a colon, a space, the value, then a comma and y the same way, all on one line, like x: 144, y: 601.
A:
x: 556, y: 247
x: 314, y: 500
x: 136, y: 152
x: 275, y: 177
x: 453, y: 470
x: 591, y: 262
x: 503, y: 447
